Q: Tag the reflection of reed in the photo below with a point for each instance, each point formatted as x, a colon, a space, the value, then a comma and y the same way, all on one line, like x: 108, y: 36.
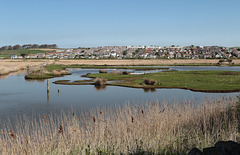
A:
x: 100, y: 87
x: 147, y: 90
x: 10, y: 68
x: 35, y: 80
x: 48, y: 97
x: 48, y: 90
x: 11, y: 74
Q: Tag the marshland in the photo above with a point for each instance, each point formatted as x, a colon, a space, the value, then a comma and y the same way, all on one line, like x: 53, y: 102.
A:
x: 93, y: 119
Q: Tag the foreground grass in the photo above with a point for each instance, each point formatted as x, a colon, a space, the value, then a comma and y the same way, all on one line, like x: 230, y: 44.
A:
x: 215, y: 81
x: 153, y: 128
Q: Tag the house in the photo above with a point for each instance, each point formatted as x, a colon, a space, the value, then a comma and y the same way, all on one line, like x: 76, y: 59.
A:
x: 207, y: 56
x: 13, y: 56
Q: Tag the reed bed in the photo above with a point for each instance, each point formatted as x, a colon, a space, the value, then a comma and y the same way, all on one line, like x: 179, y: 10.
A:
x: 152, y: 128
x: 6, y: 69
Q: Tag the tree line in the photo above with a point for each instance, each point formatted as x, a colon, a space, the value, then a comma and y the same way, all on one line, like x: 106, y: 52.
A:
x: 27, y: 46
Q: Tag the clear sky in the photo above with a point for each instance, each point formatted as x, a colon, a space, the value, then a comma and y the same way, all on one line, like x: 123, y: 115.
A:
x: 88, y: 23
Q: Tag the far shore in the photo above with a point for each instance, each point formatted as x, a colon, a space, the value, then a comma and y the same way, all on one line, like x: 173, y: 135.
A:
x: 9, y: 65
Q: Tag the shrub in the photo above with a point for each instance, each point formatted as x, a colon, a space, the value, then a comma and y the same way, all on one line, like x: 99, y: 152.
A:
x: 149, y: 82
x: 125, y: 73
x: 99, y: 81
x: 117, y: 72
x: 102, y: 71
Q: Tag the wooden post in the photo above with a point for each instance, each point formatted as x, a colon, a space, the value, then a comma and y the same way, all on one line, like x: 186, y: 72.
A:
x: 48, y: 90
x: 47, y: 85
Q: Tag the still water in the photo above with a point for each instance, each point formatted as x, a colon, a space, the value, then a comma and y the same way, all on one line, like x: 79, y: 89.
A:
x: 20, y: 97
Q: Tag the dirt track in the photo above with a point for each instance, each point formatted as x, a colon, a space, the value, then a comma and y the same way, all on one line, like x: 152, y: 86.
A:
x: 8, y: 65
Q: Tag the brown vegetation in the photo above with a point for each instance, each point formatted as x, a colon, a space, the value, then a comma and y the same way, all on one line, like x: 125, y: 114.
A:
x: 8, y: 65
x: 117, y: 72
x: 154, y: 128
x: 59, y: 72
x: 102, y: 71
x: 149, y: 82
x: 99, y: 81
x: 125, y: 73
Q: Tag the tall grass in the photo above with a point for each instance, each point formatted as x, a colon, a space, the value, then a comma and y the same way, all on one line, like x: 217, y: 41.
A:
x: 156, y: 128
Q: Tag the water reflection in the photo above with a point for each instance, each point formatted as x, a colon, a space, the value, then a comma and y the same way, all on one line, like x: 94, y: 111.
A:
x: 35, y: 80
x: 147, y: 90
x: 2, y: 77
x: 100, y: 87
x: 47, y: 96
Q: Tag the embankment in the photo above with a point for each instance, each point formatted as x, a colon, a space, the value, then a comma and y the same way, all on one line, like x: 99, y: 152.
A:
x: 9, y: 65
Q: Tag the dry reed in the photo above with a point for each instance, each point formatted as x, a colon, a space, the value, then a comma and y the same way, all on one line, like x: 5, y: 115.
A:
x: 99, y: 81
x: 156, y: 128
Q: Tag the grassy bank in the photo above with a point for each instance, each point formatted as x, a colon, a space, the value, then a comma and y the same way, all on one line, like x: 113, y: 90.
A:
x: 208, y: 81
x: 54, y: 67
x: 153, y: 128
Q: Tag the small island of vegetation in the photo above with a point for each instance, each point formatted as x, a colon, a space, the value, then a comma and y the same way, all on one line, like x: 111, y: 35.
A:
x: 204, y: 81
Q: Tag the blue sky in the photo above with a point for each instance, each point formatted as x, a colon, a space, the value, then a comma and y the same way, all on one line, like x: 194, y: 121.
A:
x: 74, y: 23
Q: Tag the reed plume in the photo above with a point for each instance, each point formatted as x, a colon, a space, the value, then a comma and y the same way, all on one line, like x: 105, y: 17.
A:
x: 44, y: 119
x: 60, y: 129
x: 11, y: 134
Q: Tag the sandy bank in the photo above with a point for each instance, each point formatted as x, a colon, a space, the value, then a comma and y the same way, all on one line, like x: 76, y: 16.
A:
x: 8, y: 65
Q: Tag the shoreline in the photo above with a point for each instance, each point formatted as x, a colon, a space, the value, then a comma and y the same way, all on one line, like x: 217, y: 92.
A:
x: 9, y: 65
x: 66, y: 82
x: 132, y: 81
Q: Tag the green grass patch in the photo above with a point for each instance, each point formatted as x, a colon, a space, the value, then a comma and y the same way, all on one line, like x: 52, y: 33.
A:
x: 43, y: 76
x: 8, y: 53
x: 216, y: 81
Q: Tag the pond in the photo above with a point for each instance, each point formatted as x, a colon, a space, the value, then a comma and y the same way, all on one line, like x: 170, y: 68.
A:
x: 23, y: 97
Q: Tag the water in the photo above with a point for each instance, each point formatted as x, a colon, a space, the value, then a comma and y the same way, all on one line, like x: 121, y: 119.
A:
x: 20, y: 97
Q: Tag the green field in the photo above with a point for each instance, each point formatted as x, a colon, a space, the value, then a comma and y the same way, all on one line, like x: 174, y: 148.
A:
x: 206, y: 81
x: 8, y: 53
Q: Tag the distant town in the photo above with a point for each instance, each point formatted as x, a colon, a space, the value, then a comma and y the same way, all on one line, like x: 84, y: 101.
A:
x: 124, y: 52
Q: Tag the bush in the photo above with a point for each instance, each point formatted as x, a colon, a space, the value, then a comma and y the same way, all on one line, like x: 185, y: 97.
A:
x: 149, y: 82
x: 125, y: 73
x: 99, y: 81
x: 102, y: 71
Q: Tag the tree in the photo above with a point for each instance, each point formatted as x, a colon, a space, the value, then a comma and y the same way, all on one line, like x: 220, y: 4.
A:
x: 35, y: 46
x: 125, y: 52
x: 17, y: 47
x: 23, y: 54
x: 10, y: 47
x: 4, y: 48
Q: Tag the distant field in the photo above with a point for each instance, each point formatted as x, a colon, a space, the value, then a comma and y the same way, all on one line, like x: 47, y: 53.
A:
x: 8, y: 53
